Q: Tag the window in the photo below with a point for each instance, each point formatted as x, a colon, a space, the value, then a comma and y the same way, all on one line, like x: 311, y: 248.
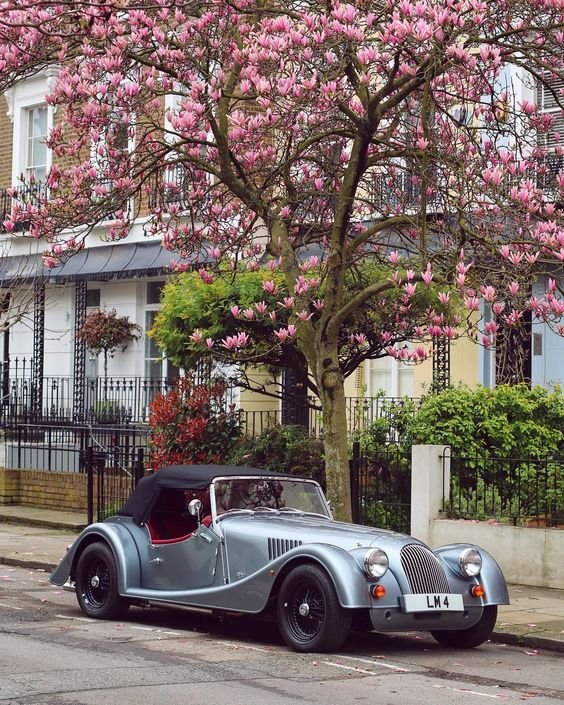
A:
x: 35, y: 147
x: 392, y: 377
x: 32, y: 120
x: 157, y: 367
x: 93, y: 298
x: 108, y: 153
x: 547, y: 100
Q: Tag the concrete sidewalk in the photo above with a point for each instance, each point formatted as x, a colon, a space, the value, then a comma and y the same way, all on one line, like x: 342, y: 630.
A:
x: 35, y: 538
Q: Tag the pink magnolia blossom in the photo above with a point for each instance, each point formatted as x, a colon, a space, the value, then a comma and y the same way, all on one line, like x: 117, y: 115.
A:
x: 488, y: 292
x: 242, y: 340
x: 205, y: 276
x: 282, y: 334
x: 197, y: 336
x: 231, y: 342
x: 427, y: 275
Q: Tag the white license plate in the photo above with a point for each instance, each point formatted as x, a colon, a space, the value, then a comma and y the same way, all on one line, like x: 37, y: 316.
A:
x: 433, y: 602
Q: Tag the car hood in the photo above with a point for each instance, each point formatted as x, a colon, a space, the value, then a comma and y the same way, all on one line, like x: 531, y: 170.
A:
x: 311, y: 529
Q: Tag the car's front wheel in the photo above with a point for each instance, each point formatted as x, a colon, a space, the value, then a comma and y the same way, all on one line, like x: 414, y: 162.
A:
x: 310, y: 617
x: 474, y: 636
x: 97, y: 585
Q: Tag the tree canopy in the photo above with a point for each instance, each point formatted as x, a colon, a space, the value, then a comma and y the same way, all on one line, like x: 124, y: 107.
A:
x: 308, y: 137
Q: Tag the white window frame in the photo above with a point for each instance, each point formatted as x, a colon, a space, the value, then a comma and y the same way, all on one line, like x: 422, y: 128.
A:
x: 23, y: 98
x: 147, y: 308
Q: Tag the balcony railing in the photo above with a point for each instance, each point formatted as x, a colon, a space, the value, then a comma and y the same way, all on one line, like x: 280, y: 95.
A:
x: 29, y: 193
x: 126, y: 401
x: 112, y: 400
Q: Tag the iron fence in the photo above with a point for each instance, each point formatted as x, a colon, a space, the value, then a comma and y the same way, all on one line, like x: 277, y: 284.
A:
x: 381, y: 487
x: 111, y: 474
x: 519, y: 491
x: 63, y: 448
x: 126, y: 400
x: 361, y: 413
x: 112, y: 400
x: 111, y: 459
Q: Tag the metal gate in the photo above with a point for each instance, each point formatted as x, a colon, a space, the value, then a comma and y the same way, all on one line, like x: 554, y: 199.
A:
x: 381, y: 487
x: 111, y: 474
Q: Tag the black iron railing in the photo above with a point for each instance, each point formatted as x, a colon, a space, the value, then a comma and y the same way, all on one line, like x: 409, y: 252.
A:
x: 381, y: 487
x: 126, y: 400
x: 518, y: 491
x: 111, y: 400
x: 9, y: 197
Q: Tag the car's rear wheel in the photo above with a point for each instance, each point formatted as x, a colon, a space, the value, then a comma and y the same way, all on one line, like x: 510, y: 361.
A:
x: 474, y: 636
x: 97, y: 585
x: 310, y: 617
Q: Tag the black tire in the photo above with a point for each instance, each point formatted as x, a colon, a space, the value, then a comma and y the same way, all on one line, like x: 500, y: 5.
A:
x: 474, y: 636
x: 310, y: 617
x: 96, y: 583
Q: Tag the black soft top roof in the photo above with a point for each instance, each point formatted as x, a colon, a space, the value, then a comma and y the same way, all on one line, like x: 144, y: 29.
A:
x: 186, y: 477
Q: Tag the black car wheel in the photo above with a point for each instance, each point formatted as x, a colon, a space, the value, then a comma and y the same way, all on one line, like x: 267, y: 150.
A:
x: 474, y: 636
x: 96, y: 583
x: 310, y: 617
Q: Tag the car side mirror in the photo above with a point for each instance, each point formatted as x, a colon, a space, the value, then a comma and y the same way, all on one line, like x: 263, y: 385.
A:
x: 195, y: 508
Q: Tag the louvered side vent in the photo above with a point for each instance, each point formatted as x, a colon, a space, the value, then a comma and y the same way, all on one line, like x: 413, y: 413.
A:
x: 277, y: 547
x: 423, y: 570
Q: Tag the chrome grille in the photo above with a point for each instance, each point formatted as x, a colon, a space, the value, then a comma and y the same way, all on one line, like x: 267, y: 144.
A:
x: 277, y: 547
x: 423, y: 570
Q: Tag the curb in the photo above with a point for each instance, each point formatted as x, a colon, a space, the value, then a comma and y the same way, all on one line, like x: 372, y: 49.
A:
x: 529, y: 640
x: 42, y: 523
x: 24, y: 563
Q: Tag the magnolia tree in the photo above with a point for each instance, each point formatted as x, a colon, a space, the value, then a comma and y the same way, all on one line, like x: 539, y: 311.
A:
x: 308, y: 137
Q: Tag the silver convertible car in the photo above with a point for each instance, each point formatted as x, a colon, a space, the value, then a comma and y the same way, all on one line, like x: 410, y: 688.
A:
x: 236, y: 539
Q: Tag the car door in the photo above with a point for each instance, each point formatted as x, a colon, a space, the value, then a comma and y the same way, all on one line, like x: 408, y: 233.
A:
x: 185, y: 564
x: 180, y: 553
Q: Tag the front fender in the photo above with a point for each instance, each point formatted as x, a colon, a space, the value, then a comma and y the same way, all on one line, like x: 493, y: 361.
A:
x: 351, y: 584
x: 490, y: 577
x: 118, y: 537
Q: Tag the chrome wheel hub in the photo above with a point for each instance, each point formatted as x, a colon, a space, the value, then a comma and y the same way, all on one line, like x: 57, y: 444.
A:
x: 303, y: 609
x: 95, y: 581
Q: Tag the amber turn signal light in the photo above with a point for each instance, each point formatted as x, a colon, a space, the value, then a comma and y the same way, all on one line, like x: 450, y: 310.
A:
x: 477, y: 591
x: 378, y: 591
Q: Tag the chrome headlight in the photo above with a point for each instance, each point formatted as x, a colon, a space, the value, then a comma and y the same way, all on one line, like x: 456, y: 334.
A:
x: 375, y: 563
x: 470, y: 562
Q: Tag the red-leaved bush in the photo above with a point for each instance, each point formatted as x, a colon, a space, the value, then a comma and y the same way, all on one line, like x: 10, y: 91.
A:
x: 192, y: 424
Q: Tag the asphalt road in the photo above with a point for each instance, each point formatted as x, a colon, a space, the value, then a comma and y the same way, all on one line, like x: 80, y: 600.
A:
x: 51, y: 655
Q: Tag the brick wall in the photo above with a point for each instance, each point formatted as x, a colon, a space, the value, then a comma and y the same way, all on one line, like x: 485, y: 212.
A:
x: 46, y: 490
x: 6, y: 137
x: 66, y: 491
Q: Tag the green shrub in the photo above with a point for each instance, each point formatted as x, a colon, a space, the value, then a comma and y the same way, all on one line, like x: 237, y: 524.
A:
x: 511, y: 422
x: 288, y: 449
x: 506, y: 421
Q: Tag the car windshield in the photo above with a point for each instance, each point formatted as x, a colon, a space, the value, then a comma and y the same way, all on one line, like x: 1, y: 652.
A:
x: 265, y: 493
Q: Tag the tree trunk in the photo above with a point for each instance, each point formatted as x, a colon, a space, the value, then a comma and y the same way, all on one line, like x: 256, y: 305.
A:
x: 335, y: 437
